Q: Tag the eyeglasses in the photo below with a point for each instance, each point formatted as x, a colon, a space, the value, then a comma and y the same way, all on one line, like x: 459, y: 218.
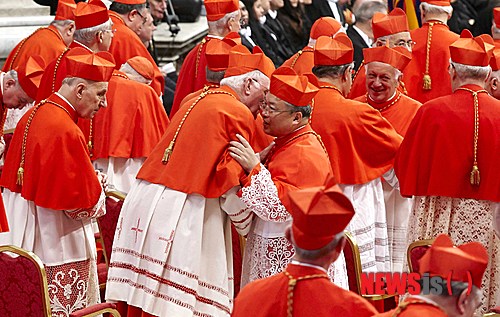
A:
x: 265, y: 108
x: 144, y: 19
x: 265, y: 91
x: 403, y: 43
x: 111, y: 30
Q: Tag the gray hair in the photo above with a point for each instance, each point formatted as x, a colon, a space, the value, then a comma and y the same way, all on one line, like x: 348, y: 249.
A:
x: 456, y: 287
x: 434, y: 9
x: 315, y: 254
x: 70, y: 81
x: 367, y: 9
x: 87, y: 35
x: 215, y: 76
x: 219, y: 27
x: 236, y: 82
x: 471, y: 72
x: 397, y: 72
x: 13, y: 73
x: 122, y: 8
x: 62, y: 23
x: 495, y: 32
x: 133, y: 74
x: 305, y: 110
x: 331, y: 71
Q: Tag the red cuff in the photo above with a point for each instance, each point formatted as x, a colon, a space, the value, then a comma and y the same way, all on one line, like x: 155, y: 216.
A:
x: 245, y: 181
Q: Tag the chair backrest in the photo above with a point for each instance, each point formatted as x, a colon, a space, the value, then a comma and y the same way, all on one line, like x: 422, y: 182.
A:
x: 23, y: 284
x: 108, y: 222
x: 415, y: 251
x: 353, y: 263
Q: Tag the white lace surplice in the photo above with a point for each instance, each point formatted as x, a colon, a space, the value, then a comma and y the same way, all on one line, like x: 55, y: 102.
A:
x: 121, y: 171
x: 464, y: 220
x: 65, y: 245
x: 267, y: 251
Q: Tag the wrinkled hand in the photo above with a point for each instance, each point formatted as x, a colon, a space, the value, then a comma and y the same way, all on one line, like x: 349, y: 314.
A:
x: 103, y: 179
x: 243, y: 153
x: 262, y: 155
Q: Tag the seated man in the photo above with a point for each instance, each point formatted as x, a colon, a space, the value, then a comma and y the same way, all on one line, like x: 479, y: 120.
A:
x: 442, y: 259
x: 320, y: 216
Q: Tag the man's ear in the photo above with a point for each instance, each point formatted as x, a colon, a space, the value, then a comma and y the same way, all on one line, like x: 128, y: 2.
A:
x: 247, y: 86
x: 494, y: 83
x: 463, y: 300
x: 70, y: 29
x: 297, y: 117
x: 80, y: 88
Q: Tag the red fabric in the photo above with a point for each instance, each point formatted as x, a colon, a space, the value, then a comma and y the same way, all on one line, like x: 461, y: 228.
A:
x: 436, y: 156
x: 399, y: 114
x: 126, y: 44
x: 302, y: 63
x: 292, y: 88
x: 102, y: 273
x: 191, y: 78
x: 92, y: 309
x: 20, y: 287
x: 416, y: 254
x: 202, y: 148
x: 439, y: 59
x: 4, y: 224
x: 54, y: 74
x: 361, y: 144
x: 268, y: 297
x: 46, y: 42
x: 132, y: 123
x: 237, y: 259
x: 415, y: 308
x: 58, y: 173
x: 108, y: 223
x: 358, y: 87
x: 297, y: 161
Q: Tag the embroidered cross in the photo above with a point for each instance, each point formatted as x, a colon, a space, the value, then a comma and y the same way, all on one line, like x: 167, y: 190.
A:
x: 136, y: 229
x: 119, y: 229
x: 169, y: 241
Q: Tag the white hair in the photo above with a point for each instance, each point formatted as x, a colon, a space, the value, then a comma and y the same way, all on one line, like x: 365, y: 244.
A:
x: 61, y: 23
x: 236, y: 82
x: 471, y: 72
x: 495, y: 32
x: 87, y: 35
x: 133, y: 74
x: 434, y: 9
x: 219, y: 26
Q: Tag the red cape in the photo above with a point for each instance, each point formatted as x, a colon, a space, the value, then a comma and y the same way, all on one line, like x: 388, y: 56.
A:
x: 200, y: 162
x: 302, y: 62
x: 361, y: 144
x: 132, y: 123
x: 436, y: 156
x: 58, y: 173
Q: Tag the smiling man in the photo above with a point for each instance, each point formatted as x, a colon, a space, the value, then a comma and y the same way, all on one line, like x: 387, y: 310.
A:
x: 51, y: 189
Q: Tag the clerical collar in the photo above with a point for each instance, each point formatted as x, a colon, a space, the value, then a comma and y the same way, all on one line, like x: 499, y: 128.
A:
x: 66, y: 100
x: 215, y: 36
x: 295, y: 262
x: 273, y: 14
x: 334, y: 1
x: 2, y: 74
x: 363, y: 35
x: 83, y: 45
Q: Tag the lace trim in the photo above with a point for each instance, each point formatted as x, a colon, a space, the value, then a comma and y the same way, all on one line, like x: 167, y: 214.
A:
x: 261, y: 196
x: 97, y: 211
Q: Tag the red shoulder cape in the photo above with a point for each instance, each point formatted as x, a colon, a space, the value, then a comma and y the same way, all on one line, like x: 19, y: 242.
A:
x: 436, y: 156
x: 58, y: 173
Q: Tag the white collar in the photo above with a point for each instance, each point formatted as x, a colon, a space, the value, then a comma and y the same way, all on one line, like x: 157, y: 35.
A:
x: 295, y: 262
x: 363, y: 35
x: 215, y: 36
x: 85, y: 46
x: 262, y: 19
x: 334, y: 1
x: 2, y: 75
x: 273, y: 14
x: 66, y: 100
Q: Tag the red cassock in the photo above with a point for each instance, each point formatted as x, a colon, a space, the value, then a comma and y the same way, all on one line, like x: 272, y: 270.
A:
x: 212, y: 171
x: 126, y: 44
x: 54, y: 74
x: 399, y: 110
x: 436, y: 156
x: 311, y: 297
x: 439, y: 59
x: 361, y: 144
x: 413, y: 307
x: 302, y: 61
x: 132, y: 123
x: 192, y: 76
x: 46, y: 42
x: 58, y: 173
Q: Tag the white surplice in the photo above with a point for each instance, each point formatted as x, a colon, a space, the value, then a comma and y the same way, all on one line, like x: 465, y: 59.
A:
x: 172, y: 253
x: 121, y: 171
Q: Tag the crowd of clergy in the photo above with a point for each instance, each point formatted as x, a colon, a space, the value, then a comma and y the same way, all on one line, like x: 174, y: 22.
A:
x: 279, y: 149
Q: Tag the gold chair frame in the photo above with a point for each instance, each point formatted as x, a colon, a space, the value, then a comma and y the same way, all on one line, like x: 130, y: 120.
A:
x: 413, y: 245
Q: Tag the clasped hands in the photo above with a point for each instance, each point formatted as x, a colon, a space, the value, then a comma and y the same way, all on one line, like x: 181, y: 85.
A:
x: 243, y: 153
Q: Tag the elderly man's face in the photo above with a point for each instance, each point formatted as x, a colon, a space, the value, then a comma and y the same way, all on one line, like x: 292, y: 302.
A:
x: 402, y: 39
x: 277, y: 117
x: 93, y: 97
x: 14, y: 96
x: 381, y: 81
x: 257, y: 93
x: 157, y: 8
x: 137, y: 20
x: 147, y: 29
